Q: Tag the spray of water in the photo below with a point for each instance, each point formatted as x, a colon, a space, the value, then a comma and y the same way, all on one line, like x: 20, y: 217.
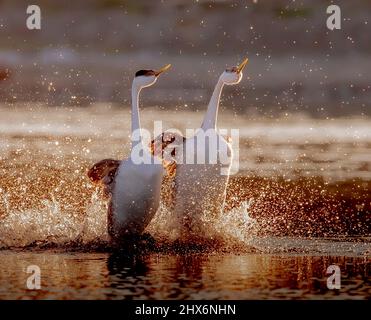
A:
x: 52, y: 226
x: 46, y: 200
x: 230, y: 231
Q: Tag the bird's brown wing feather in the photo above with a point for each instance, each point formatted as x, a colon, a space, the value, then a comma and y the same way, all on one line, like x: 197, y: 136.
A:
x: 103, y: 169
x: 103, y: 173
x: 160, y: 143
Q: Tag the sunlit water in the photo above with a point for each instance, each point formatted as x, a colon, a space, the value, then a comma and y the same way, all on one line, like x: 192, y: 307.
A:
x: 192, y: 276
x: 300, y: 203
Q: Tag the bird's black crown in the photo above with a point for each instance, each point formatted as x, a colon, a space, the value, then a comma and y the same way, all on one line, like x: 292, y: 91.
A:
x: 145, y: 73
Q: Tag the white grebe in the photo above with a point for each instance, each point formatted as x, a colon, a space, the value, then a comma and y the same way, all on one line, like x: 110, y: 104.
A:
x: 134, y: 184
x: 201, y: 176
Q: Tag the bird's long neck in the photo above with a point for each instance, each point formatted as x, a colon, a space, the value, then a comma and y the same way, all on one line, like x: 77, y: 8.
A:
x: 135, y: 120
x: 212, y: 109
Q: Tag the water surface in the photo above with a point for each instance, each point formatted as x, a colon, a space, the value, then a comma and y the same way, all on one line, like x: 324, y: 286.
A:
x: 307, y: 182
x: 78, y: 275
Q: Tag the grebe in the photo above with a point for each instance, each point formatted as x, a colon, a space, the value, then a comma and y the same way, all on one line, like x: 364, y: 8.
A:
x: 134, y: 184
x: 202, y: 172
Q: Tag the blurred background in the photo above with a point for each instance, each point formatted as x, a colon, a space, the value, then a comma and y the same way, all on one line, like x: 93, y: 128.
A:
x: 87, y: 52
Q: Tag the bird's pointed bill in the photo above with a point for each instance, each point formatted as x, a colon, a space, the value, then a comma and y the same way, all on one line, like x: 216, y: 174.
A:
x: 163, y: 69
x: 242, y: 65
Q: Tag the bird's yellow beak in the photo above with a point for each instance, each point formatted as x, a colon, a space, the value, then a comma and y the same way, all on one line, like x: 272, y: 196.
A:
x: 242, y: 65
x: 163, y: 69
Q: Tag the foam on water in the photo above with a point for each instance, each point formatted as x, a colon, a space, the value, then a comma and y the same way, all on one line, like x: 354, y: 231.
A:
x: 52, y: 226
x: 234, y: 231
x: 231, y: 230
x: 307, y: 180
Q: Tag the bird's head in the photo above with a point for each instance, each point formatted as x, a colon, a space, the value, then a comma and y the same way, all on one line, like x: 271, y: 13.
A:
x: 146, y: 78
x: 233, y: 75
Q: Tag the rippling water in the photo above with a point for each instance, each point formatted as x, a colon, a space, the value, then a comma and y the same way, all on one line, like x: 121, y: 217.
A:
x: 301, y: 202
x: 77, y: 275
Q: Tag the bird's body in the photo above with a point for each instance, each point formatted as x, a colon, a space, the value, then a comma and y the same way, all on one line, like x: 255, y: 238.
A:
x: 203, y: 167
x: 135, y: 196
x: 134, y: 184
x: 200, y: 188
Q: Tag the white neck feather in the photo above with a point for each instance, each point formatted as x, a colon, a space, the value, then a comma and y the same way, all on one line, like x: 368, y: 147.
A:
x: 135, y: 120
x: 212, y: 109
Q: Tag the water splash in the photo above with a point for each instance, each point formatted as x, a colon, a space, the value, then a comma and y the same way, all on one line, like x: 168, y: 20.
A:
x: 52, y: 226
x: 230, y: 231
x: 47, y: 200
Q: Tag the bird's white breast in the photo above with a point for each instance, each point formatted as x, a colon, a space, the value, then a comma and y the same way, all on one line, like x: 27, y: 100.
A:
x: 136, y: 196
x: 201, y: 187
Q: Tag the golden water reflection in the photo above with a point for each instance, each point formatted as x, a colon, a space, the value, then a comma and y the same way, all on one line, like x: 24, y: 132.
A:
x: 192, y: 276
